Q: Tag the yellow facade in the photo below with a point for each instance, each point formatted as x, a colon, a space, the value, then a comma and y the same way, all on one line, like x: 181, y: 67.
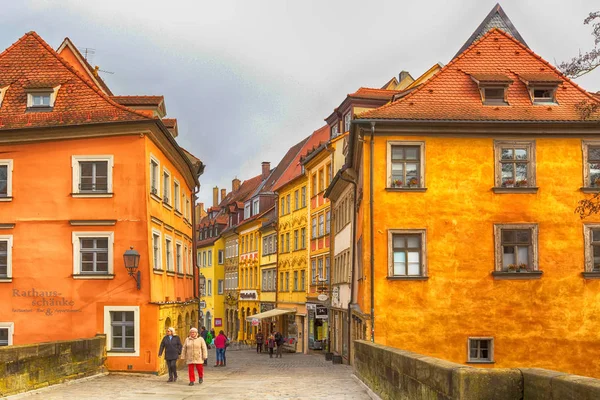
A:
x: 249, y: 275
x: 292, y: 260
x: 536, y: 320
x: 211, y: 261
x: 268, y: 273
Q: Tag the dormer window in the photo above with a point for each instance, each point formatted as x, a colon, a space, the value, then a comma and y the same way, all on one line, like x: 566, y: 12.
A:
x: 41, y: 98
x: 542, y: 87
x: 2, y: 93
x: 335, y: 129
x: 493, y: 88
x: 247, y: 210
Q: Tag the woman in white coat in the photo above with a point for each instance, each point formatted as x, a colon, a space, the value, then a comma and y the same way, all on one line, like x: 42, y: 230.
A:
x: 194, y: 353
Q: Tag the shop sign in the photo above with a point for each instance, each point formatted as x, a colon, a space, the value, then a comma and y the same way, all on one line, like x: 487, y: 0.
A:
x: 218, y: 322
x: 46, y: 302
x: 255, y: 321
x: 310, y: 306
x: 322, y: 297
x: 321, y: 312
x: 248, y: 295
x: 202, y: 304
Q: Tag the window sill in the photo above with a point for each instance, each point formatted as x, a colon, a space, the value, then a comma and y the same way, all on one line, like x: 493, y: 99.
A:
x: 180, y: 275
x: 39, y: 109
x: 480, y: 362
x: 93, y: 276
x: 5, y: 280
x: 178, y: 213
x: 6, y: 198
x: 591, y: 275
x: 167, y: 206
x: 91, y: 195
x: 155, y: 197
x: 407, y: 278
x: 526, y: 190
x: 170, y: 273
x: 157, y: 271
x: 108, y: 352
x: 500, y: 275
x: 189, y: 276
x: 406, y: 189
x: 590, y: 189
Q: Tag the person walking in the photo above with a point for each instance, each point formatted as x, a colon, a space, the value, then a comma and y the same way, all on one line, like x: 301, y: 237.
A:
x: 171, y: 345
x: 220, y: 343
x: 194, y: 353
x: 203, y: 333
x: 259, y: 341
x: 271, y: 344
x: 279, y: 342
x: 208, y: 338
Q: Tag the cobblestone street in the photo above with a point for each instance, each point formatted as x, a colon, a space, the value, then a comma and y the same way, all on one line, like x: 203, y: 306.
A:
x: 247, y: 376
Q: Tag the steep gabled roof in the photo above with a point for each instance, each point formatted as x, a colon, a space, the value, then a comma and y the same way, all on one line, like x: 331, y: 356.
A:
x: 282, y: 167
x: 138, y: 100
x: 452, y: 94
x: 372, y: 93
x: 32, y: 63
x: 497, y: 18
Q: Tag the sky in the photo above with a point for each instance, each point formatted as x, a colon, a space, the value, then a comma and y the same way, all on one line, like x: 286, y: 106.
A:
x: 246, y: 80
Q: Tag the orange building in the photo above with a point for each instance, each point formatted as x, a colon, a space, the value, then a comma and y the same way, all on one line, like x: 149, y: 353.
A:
x: 470, y: 249
x: 84, y: 178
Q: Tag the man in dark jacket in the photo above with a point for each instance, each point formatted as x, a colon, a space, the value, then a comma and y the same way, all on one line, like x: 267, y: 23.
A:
x: 171, y: 345
x: 260, y: 339
x: 279, y: 340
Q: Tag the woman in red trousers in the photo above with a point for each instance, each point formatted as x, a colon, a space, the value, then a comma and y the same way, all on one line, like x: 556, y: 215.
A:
x: 194, y: 353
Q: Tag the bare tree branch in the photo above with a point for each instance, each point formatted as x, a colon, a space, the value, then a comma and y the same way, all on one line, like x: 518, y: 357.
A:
x: 588, y: 207
x: 585, y: 62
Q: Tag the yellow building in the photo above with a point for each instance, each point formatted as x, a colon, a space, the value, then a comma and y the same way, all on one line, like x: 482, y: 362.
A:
x: 268, y: 268
x: 471, y: 250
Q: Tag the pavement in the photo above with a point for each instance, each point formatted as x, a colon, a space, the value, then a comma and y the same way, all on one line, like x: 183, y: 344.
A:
x: 248, y: 375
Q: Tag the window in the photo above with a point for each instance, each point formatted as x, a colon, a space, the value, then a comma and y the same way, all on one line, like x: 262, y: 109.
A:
x: 122, y: 330
x: 6, y: 257
x: 320, y: 270
x: 347, y: 121
x: 176, y: 195
x: 516, y: 248
x: 92, y: 175
x: 247, y: 210
x: 515, y: 164
x: 405, y: 167
x: 314, y: 185
x: 328, y: 222
x: 187, y: 208
x: 287, y: 242
x: 303, y: 237
x: 221, y: 257
x: 327, y: 261
x: 314, y: 228
x: 166, y: 187
x: 321, y: 180
x: 321, y: 225
x: 314, y: 271
x: 169, y: 252
x: 335, y: 129
x: 295, y: 280
x: 178, y: 258
x: 154, y: 182
x: 5, y: 179
x: 302, y: 280
x: 406, y: 253
x: 543, y: 95
x: 591, y: 165
x: 93, y: 254
x: 494, y: 96
x: 281, y: 281
x: 481, y: 350
x: 220, y: 286
x: 251, y: 247
x: 255, y: 206
x: 44, y: 99
x: 209, y: 287
x: 288, y: 202
x: 156, y: 256
x: 287, y: 281
x: 328, y: 177
x: 204, y: 258
x: 296, y: 242
x: 210, y: 258
x: 303, y: 196
x: 296, y: 200
x: 282, y: 244
x: 6, y: 333
x: 592, y: 248
x: 282, y: 206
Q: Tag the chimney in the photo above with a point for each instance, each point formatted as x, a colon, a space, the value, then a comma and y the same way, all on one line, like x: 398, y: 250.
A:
x: 403, y: 74
x: 223, y: 194
x: 215, y: 196
x: 266, y: 169
x: 199, y: 210
x: 235, y: 184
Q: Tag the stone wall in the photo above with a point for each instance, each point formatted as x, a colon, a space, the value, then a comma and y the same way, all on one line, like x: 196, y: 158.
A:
x: 398, y: 374
x: 33, y: 366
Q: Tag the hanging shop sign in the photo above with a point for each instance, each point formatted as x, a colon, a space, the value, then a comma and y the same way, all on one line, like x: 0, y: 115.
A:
x: 218, y: 322
x: 322, y: 297
x: 255, y: 321
x: 321, y: 312
x: 202, y: 304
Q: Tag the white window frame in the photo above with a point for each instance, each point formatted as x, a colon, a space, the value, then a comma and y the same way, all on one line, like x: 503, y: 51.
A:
x: 154, y: 160
x: 179, y: 267
x: 247, y: 210
x: 157, y: 268
x: 220, y: 286
x: 186, y: 260
x: 108, y: 330
x: 210, y: 258
x: 9, y: 170
x: 3, y: 92
x: 11, y: 330
x: 52, y: 92
x: 255, y: 206
x: 478, y: 360
x: 75, y: 236
x: 176, y: 195
x: 423, y: 255
x: 166, y: 186
x: 421, y: 146
x: 169, y: 261
x: 209, y: 287
x: 76, y: 174
x: 9, y: 246
x: 221, y: 259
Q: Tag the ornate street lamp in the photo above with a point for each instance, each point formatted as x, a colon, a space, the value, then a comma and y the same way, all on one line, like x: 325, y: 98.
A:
x: 132, y: 262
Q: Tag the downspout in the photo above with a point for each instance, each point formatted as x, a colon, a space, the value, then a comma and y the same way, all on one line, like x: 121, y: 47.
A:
x: 372, y: 245
x: 195, y: 251
x: 352, y: 268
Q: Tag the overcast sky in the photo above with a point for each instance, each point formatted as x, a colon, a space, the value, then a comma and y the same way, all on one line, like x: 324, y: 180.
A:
x: 248, y: 79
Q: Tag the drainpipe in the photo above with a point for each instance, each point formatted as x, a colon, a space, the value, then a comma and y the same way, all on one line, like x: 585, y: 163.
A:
x: 195, y: 250
x: 372, y: 245
x: 352, y: 268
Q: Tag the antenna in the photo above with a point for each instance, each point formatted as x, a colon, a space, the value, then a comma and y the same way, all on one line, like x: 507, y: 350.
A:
x: 88, y: 53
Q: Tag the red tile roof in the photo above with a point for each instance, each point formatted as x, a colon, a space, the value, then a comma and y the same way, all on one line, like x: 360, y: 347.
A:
x: 372, y: 93
x: 451, y: 94
x: 170, y: 122
x: 32, y: 62
x: 139, y: 100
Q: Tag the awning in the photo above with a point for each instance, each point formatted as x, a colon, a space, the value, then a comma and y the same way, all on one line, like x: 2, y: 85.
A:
x: 271, y: 313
